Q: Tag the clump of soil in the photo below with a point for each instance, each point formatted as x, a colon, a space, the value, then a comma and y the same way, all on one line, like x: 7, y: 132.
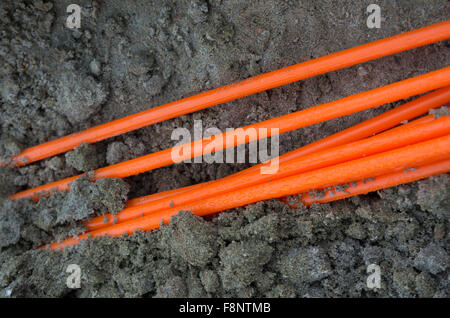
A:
x: 84, y: 158
x: 9, y: 146
x: 305, y: 265
x: 86, y: 198
x: 433, y: 196
x: 243, y: 263
x: 192, y: 239
x: 121, y: 151
x: 439, y: 112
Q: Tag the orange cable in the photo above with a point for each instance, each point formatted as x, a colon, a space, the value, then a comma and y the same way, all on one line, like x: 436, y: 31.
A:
x: 389, y: 119
x: 379, y: 164
x: 363, y: 53
x: 313, y: 115
x: 381, y: 182
x: 405, y: 135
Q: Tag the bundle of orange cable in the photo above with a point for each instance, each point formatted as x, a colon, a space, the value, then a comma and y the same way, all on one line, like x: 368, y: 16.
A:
x: 364, y: 151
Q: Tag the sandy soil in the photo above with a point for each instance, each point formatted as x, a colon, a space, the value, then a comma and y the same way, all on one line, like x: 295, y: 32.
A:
x: 133, y: 55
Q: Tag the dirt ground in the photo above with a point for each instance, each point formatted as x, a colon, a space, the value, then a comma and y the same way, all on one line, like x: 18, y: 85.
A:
x: 132, y: 55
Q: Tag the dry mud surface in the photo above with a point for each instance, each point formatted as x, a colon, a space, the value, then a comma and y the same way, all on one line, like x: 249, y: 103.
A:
x: 133, y: 55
